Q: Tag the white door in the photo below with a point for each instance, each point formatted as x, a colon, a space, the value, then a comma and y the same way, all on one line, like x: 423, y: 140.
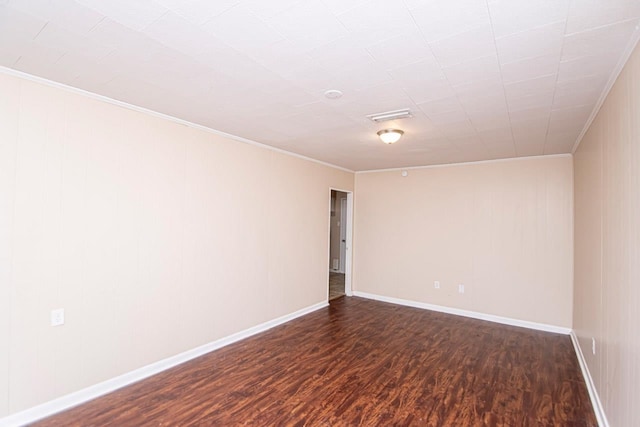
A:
x: 343, y: 234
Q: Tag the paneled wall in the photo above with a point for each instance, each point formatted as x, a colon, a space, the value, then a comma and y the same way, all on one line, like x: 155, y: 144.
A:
x: 153, y: 236
x: 502, y: 229
x: 607, y: 248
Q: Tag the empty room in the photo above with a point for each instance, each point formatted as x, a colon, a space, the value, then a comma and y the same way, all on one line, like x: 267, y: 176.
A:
x: 319, y: 212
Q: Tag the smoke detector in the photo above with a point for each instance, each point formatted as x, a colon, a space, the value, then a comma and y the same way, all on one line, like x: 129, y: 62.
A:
x: 333, y: 94
x: 405, y: 113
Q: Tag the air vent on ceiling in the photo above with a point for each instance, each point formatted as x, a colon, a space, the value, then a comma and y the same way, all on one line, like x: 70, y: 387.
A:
x: 390, y: 115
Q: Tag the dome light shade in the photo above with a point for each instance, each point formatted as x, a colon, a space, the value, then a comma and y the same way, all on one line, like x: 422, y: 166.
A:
x: 389, y: 136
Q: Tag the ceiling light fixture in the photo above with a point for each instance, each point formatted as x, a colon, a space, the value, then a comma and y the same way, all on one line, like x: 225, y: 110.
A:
x: 389, y: 136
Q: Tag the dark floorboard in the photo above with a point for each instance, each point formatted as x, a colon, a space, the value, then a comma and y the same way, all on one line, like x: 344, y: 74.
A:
x: 362, y: 363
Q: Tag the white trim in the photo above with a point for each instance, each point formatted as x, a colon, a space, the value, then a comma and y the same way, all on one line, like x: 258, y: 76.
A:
x: 466, y: 313
x: 41, y: 80
x: 348, y: 286
x: 478, y: 162
x: 328, y: 279
x: 65, y: 402
x: 342, y: 190
x: 593, y: 393
x: 343, y: 230
x: 635, y: 37
x: 348, y: 257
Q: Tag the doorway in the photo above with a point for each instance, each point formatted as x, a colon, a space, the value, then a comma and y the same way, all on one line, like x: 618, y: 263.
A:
x: 341, y: 203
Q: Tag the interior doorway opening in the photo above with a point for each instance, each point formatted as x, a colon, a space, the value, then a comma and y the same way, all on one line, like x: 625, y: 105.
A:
x: 339, y: 244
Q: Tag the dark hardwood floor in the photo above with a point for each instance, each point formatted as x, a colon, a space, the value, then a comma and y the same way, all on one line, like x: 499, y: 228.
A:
x: 362, y: 363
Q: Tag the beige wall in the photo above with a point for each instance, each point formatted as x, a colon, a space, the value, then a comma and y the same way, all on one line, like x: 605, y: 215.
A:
x: 503, y: 229
x: 153, y: 236
x: 607, y: 248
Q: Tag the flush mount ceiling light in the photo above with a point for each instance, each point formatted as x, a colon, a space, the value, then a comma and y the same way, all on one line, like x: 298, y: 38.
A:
x: 389, y: 136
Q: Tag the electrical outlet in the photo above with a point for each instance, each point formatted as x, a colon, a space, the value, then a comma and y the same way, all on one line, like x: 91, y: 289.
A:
x: 436, y: 284
x: 57, y: 317
x: 593, y: 346
x: 461, y: 288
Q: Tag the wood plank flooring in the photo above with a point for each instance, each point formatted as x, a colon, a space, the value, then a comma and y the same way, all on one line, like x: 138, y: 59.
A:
x: 336, y: 285
x: 362, y: 363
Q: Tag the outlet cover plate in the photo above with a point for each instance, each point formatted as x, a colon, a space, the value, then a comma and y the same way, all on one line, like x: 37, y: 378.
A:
x: 57, y: 317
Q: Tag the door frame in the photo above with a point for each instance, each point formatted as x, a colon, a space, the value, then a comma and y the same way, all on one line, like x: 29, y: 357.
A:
x: 343, y: 230
x: 348, y: 267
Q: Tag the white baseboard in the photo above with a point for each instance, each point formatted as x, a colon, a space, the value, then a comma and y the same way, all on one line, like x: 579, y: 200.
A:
x: 593, y: 393
x: 467, y: 313
x: 65, y: 402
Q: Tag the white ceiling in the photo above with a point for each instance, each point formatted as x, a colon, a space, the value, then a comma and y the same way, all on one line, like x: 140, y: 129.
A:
x: 484, y: 79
